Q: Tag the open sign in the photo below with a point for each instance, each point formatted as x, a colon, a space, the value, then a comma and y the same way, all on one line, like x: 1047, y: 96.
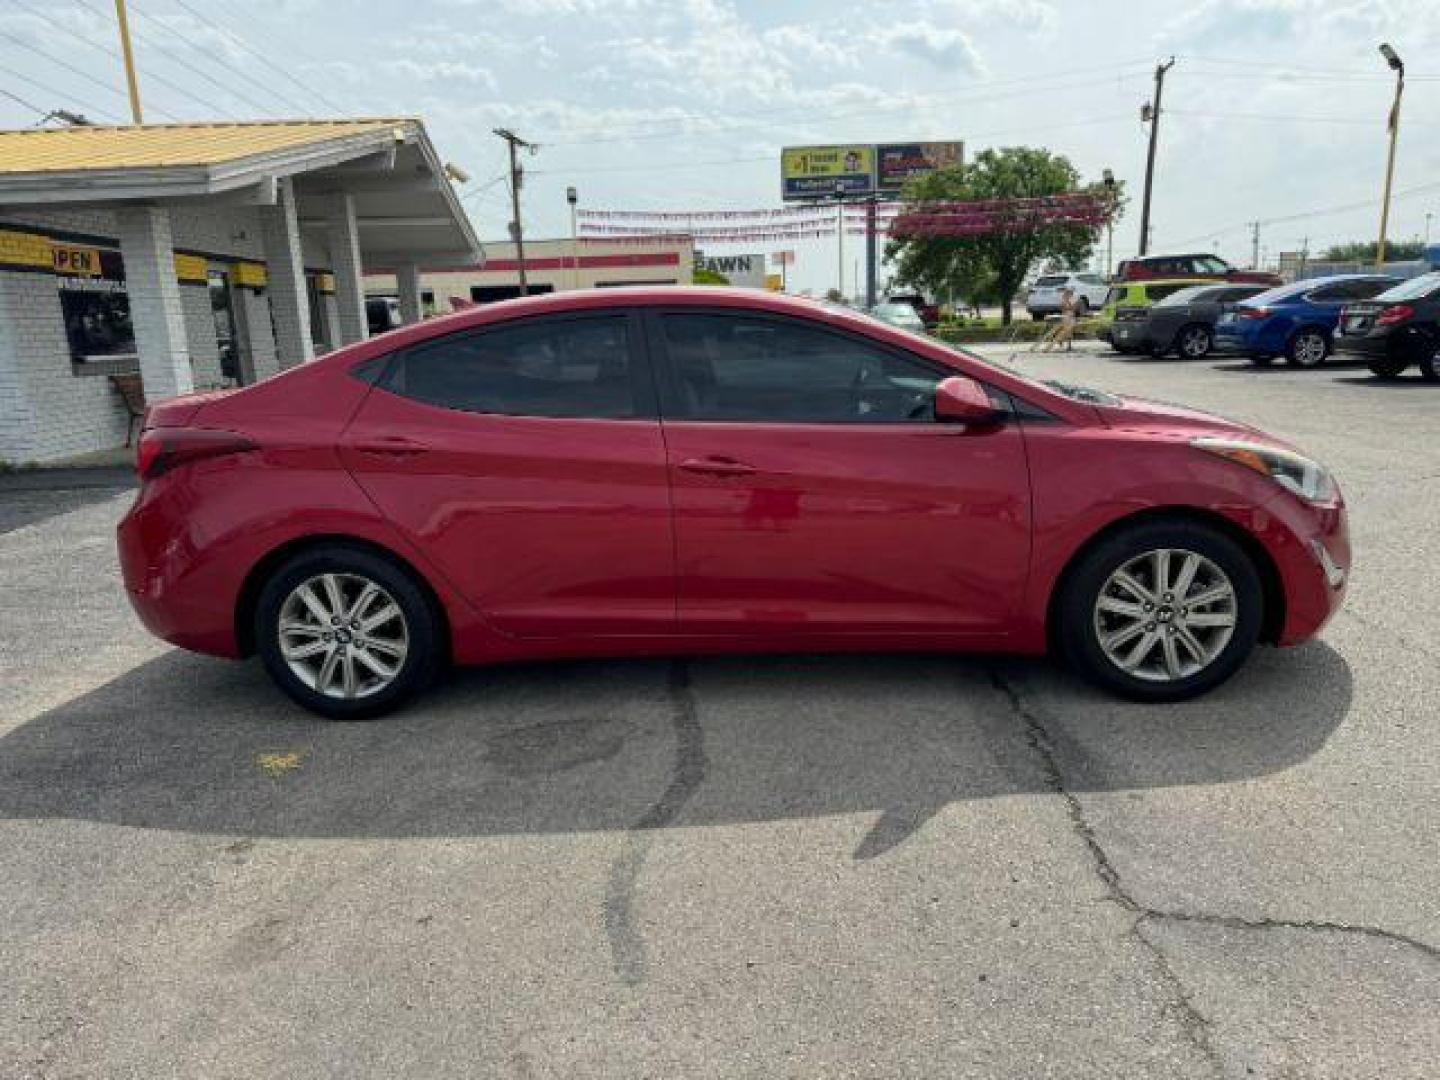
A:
x: 76, y: 261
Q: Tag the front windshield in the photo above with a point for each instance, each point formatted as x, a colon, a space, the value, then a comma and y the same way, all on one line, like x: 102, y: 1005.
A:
x: 1086, y: 394
x: 894, y: 311
x: 1414, y: 289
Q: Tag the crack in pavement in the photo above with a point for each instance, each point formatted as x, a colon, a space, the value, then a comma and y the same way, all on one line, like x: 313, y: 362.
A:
x: 627, y: 944
x: 1195, y: 1024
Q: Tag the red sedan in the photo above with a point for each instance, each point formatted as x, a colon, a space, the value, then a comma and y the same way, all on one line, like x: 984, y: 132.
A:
x: 648, y: 471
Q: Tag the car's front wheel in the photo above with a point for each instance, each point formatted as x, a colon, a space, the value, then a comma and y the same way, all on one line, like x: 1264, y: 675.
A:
x: 1160, y: 611
x: 1387, y: 367
x: 347, y: 633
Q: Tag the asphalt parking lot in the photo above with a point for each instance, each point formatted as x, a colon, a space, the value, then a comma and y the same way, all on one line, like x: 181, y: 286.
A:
x: 794, y: 866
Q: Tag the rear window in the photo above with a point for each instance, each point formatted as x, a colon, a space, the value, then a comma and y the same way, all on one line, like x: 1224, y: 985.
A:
x: 1159, y: 292
x: 1184, y: 296
x: 1414, y: 289
x: 551, y: 368
x: 1049, y: 281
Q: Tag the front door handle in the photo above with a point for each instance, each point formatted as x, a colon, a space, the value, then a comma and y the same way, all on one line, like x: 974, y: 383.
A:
x: 391, y: 446
x: 717, y: 466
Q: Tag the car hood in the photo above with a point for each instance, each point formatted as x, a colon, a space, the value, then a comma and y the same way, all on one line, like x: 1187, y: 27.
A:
x: 1145, y: 415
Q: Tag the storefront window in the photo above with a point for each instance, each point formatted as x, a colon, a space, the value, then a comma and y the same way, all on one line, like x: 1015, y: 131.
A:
x: 97, y: 315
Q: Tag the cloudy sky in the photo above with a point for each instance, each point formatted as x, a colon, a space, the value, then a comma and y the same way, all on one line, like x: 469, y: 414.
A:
x: 1275, y: 110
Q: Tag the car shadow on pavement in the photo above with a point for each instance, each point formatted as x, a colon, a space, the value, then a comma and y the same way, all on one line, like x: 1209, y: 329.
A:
x: 205, y: 746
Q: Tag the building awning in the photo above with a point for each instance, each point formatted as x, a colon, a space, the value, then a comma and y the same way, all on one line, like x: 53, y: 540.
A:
x: 405, y: 206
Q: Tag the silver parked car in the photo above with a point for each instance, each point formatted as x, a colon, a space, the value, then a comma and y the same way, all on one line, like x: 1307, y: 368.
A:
x: 1044, y: 296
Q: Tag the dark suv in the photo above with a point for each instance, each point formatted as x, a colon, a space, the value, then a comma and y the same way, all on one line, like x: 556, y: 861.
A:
x: 1398, y: 328
x: 1191, y: 266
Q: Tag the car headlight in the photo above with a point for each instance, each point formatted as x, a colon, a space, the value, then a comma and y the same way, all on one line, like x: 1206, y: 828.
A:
x: 1297, y: 474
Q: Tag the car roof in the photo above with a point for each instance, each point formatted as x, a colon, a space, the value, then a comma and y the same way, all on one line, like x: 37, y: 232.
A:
x: 1299, y: 288
x: 1148, y: 283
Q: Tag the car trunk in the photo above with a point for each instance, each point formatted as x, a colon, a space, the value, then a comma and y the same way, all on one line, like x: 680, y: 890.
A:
x: 1358, y: 318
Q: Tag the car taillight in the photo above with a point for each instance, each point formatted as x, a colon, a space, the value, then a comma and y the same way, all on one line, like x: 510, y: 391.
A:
x: 1395, y: 313
x: 163, y: 449
x: 1254, y: 313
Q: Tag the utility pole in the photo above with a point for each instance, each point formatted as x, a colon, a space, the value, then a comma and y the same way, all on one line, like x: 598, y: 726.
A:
x: 1398, y: 66
x: 1427, y: 229
x: 840, y: 239
x: 517, y: 174
x: 129, y: 57
x: 1304, y: 255
x: 573, y: 197
x: 1108, y: 177
x: 1151, y: 113
x: 1255, y: 245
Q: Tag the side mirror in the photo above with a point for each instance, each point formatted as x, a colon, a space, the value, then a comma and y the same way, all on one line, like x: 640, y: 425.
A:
x: 959, y: 400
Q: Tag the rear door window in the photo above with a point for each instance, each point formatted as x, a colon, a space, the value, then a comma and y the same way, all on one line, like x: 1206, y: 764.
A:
x: 553, y: 367
x: 1159, y: 292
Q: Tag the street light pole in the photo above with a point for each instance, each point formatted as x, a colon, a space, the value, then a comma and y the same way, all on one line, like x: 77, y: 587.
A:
x: 840, y: 238
x: 1398, y: 66
x: 1151, y: 112
x: 1108, y: 177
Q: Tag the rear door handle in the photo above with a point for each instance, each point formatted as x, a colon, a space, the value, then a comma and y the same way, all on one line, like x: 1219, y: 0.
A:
x: 717, y: 466
x: 391, y: 446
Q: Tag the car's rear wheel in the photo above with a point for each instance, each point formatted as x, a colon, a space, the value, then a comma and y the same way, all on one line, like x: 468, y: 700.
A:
x: 346, y: 633
x: 1308, y: 348
x: 1161, y: 611
x: 1387, y: 367
x: 1194, y: 342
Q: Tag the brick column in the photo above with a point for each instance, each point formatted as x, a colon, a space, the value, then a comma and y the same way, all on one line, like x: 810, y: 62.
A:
x: 330, y: 311
x: 155, y: 309
x: 344, y: 240
x: 285, y: 268
x: 407, y: 277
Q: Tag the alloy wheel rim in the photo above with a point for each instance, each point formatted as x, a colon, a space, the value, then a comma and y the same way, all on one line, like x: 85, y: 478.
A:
x: 1165, y: 615
x: 1310, y: 350
x: 1195, y: 343
x: 343, y: 635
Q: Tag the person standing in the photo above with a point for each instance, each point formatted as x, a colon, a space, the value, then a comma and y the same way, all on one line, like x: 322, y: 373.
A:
x: 1063, y: 332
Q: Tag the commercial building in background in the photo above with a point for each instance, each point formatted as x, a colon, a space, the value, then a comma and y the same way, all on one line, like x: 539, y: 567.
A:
x: 550, y: 266
x: 160, y: 259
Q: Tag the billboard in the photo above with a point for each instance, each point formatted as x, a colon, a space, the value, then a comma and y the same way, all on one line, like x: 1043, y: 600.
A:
x: 898, y: 162
x: 811, y: 172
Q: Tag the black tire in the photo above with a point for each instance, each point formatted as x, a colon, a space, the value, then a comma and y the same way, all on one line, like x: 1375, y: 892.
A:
x: 422, y: 626
x: 1429, y: 364
x: 1078, y: 636
x: 1194, y: 342
x: 1308, y: 348
x: 1082, y: 308
x: 1124, y: 350
x: 1037, y: 316
x: 1387, y: 367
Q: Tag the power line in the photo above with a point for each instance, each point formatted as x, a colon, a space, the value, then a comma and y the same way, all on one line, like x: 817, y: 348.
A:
x: 176, y: 58
x: 242, y: 43
x: 150, y: 75
x: 1030, y: 88
x: 64, y: 95
x: 21, y: 101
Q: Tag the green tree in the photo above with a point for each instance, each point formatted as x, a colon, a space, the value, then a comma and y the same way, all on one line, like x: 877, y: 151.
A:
x: 710, y: 277
x: 992, y: 267
x: 1363, y: 251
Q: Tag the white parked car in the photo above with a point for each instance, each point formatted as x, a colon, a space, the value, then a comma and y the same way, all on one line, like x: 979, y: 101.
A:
x: 1044, y: 295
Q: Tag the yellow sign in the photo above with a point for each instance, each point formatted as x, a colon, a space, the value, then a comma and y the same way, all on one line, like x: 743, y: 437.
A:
x: 325, y: 283
x: 26, y: 250
x: 192, y: 268
x: 809, y: 172
x: 774, y: 282
x: 252, y: 275
x: 75, y: 261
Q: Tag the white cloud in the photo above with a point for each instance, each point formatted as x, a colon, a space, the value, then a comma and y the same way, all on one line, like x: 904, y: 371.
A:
x: 950, y: 49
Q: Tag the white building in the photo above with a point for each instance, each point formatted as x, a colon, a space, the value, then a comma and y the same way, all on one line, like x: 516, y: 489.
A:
x: 196, y: 256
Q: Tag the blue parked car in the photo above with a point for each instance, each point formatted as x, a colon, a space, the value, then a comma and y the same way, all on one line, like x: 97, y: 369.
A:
x: 1296, y: 321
